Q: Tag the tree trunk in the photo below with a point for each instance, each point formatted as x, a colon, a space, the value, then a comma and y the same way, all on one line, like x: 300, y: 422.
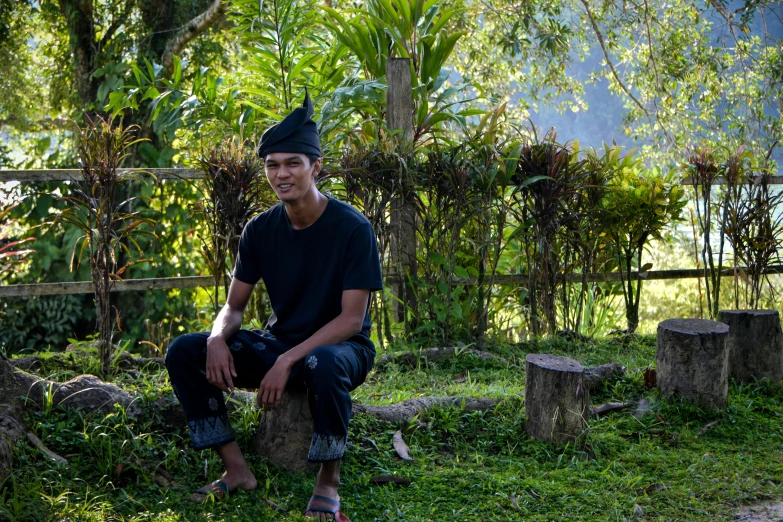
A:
x: 159, y: 17
x: 754, y: 343
x: 81, y: 28
x: 399, y: 108
x: 11, y: 429
x: 556, y: 398
x: 693, y: 361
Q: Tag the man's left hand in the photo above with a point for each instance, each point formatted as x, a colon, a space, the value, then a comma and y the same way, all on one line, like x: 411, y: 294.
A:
x: 270, y: 392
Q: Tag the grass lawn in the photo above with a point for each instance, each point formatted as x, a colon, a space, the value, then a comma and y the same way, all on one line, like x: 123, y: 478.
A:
x: 652, y: 464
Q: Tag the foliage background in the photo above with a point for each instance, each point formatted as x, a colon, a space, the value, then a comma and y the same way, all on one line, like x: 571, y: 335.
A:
x: 664, y: 77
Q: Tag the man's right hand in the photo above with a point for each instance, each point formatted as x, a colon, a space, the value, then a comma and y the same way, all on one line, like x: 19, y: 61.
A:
x: 220, y: 364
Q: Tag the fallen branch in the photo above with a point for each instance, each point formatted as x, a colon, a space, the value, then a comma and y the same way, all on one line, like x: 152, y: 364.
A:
x: 407, y: 410
x: 170, y: 410
x: 46, y: 451
x: 608, y: 407
x: 436, y: 354
x: 126, y: 360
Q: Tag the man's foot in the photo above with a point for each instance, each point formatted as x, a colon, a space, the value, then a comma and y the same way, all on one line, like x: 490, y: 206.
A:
x: 228, y: 483
x: 325, y: 502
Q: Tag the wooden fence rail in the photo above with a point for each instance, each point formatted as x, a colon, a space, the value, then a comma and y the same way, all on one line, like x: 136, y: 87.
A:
x: 182, y: 173
x: 166, y: 283
x: 86, y: 287
x: 71, y: 174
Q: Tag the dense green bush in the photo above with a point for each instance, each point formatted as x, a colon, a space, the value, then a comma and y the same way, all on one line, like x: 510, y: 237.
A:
x: 38, y: 323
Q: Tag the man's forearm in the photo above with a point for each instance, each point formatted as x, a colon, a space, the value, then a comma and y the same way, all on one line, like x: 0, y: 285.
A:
x: 338, y: 330
x: 227, y: 323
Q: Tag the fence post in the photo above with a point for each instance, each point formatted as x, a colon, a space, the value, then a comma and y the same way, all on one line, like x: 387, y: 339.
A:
x: 399, y: 113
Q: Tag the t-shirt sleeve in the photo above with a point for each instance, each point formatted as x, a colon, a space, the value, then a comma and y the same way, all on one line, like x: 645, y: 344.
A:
x: 362, y: 263
x: 247, y: 267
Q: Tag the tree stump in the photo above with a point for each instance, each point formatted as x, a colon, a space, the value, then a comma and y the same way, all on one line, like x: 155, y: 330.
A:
x: 284, y: 433
x: 755, y: 344
x: 693, y: 361
x: 556, y: 398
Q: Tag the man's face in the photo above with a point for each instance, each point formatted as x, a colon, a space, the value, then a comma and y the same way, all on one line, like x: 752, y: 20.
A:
x: 290, y: 174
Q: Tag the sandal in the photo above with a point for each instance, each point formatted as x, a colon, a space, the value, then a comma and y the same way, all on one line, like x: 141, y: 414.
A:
x: 218, y: 490
x: 321, y: 504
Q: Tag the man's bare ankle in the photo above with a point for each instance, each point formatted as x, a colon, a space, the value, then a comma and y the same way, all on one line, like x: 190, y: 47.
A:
x: 242, y: 478
x: 328, y: 477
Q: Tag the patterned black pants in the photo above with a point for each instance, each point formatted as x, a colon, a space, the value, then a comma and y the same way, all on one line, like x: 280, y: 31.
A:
x: 330, y: 373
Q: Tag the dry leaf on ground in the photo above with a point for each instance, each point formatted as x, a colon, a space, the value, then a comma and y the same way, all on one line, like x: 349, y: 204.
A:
x: 707, y: 427
x: 400, y: 447
x: 655, y: 487
x: 650, y: 378
x: 268, y: 503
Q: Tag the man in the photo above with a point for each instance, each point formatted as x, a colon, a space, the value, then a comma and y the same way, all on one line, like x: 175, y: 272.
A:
x: 319, y: 260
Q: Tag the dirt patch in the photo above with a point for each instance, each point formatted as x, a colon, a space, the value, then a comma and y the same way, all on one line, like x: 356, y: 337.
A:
x: 764, y: 512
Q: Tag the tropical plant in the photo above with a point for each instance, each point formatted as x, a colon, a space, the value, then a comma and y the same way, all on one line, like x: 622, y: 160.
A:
x: 234, y: 190
x: 42, y: 322
x: 10, y: 254
x: 548, y: 179
x: 284, y: 50
x: 754, y: 228
x: 585, y: 303
x: 703, y: 169
x: 369, y: 176
x: 108, y: 227
x: 636, y: 209
x: 419, y: 30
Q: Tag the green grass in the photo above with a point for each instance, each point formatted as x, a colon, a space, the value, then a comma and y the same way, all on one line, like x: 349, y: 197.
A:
x: 467, y: 465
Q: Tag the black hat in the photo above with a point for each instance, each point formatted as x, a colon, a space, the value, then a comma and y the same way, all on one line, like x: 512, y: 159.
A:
x: 296, y: 133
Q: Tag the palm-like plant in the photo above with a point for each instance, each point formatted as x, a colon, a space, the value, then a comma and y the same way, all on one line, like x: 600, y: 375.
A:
x: 233, y: 192
x: 415, y: 29
x: 754, y: 228
x: 547, y: 208
x: 108, y: 227
x: 637, y: 207
x: 704, y: 168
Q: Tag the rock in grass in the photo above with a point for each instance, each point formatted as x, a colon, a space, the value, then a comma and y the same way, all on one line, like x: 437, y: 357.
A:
x: 285, y: 432
x: 89, y: 393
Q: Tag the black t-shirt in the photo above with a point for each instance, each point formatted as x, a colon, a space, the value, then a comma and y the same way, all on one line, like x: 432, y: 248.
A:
x: 305, y: 271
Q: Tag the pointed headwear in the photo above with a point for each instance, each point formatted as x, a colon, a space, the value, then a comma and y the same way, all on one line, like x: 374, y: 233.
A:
x: 296, y: 133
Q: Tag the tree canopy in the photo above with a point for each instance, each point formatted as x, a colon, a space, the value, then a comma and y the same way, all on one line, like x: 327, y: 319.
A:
x: 687, y: 71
